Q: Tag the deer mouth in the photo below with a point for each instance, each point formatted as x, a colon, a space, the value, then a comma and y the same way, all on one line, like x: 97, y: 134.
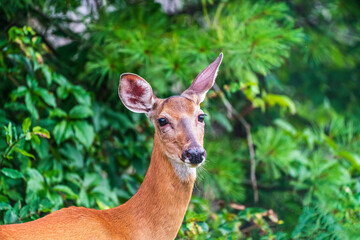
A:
x: 194, y: 165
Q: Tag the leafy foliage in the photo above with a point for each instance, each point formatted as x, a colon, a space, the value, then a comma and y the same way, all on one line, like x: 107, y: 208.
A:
x: 64, y: 165
x: 227, y: 225
x: 291, y: 71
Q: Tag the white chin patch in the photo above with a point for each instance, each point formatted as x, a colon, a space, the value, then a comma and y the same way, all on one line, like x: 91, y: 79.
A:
x: 184, y: 170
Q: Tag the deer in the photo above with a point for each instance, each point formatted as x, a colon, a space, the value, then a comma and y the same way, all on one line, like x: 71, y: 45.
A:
x: 157, y: 209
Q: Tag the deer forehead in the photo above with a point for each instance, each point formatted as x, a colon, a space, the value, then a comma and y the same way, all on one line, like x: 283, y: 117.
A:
x: 177, y: 107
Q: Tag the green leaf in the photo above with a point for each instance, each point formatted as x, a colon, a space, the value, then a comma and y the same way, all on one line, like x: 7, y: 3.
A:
x: 47, y: 96
x: 8, y: 132
x: 81, y: 95
x: 35, y: 184
x: 45, y: 205
x: 91, y: 180
x: 102, y: 205
x: 281, y: 100
x: 285, y: 126
x: 46, y: 71
x: 59, y: 131
x: 12, y: 173
x: 10, y: 216
x: 84, y: 132
x: 258, y: 102
x: 4, y: 206
x: 56, y: 200
x: 31, y: 82
x: 26, y: 125
x: 80, y: 111
x: 74, y: 154
x: 352, y: 158
x: 83, y: 198
x: 25, y: 153
x: 35, y: 175
x: 195, y: 217
x: 61, y: 80
x: 69, y: 131
x: 62, y: 92
x: 30, y: 106
x: 42, y: 132
x: 122, y: 193
x: 203, y: 226
x: 65, y: 189
x: 19, y: 92
x: 35, y: 138
x: 63, y: 131
x: 222, y: 120
x: 57, y: 112
x: 24, y: 211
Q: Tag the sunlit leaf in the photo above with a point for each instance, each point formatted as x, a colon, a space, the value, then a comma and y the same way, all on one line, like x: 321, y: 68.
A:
x: 352, y: 158
x: 42, y: 132
x: 25, y: 153
x: 9, y: 133
x: 57, y: 112
x: 12, y: 173
x: 281, y: 100
x: 26, y: 125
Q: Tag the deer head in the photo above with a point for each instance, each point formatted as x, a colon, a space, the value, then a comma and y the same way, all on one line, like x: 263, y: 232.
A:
x: 178, y: 120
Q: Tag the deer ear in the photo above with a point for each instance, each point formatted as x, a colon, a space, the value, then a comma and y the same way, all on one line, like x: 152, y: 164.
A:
x: 136, y: 93
x: 203, y: 82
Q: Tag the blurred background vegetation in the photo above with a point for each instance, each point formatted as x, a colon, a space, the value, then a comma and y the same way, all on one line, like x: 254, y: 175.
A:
x: 283, y: 132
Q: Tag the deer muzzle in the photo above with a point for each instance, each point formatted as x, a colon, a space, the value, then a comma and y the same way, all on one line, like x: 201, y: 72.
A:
x: 194, y: 155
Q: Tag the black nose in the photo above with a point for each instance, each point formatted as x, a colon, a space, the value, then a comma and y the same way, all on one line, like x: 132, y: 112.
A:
x: 194, y: 155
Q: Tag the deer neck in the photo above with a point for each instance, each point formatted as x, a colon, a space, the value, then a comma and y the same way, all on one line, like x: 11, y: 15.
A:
x: 162, y: 199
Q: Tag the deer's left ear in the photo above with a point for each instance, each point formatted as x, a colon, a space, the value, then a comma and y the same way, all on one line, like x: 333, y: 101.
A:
x: 203, y: 82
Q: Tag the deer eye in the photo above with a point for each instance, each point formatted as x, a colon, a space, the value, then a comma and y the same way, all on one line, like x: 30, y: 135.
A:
x: 162, y: 122
x: 201, y: 117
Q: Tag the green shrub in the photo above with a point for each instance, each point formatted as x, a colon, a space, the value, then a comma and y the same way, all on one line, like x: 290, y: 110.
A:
x: 290, y: 71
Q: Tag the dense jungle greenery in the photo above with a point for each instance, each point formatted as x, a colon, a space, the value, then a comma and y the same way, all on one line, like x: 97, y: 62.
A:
x: 283, y: 128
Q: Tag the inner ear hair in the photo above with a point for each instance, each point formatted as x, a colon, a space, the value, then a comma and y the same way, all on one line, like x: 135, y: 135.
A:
x: 136, y: 93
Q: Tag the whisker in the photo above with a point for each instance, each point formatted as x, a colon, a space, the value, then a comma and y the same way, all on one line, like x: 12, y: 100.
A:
x: 202, y: 174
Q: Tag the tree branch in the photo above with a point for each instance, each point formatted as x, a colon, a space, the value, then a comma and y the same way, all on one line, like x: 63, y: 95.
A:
x: 13, y: 80
x: 231, y: 111
x: 48, y: 21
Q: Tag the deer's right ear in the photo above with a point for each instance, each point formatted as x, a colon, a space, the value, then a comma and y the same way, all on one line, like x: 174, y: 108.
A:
x: 136, y: 93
